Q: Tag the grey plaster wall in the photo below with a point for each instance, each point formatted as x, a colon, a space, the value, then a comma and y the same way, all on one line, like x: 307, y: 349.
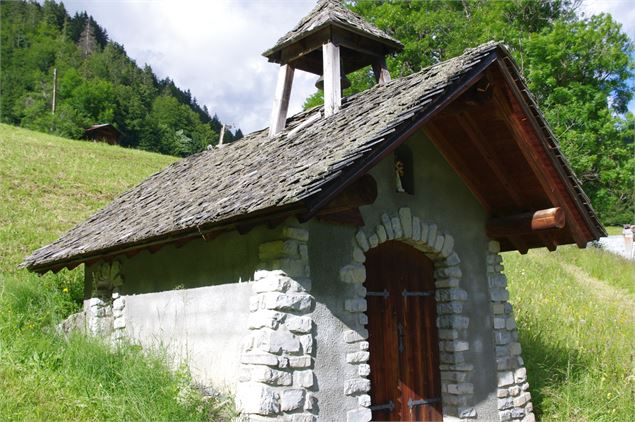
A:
x: 228, y: 258
x: 203, y: 327
x: 442, y: 198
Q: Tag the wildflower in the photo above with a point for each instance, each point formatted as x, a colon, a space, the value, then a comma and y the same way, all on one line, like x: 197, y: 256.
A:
x: 65, y: 290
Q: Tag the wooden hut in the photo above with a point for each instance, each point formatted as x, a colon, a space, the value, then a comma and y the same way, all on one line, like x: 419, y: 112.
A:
x: 103, y: 133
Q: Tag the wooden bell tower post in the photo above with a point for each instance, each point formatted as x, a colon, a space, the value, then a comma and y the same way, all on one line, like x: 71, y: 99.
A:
x: 331, y: 41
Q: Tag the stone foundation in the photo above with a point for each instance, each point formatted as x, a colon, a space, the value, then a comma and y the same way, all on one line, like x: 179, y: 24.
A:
x: 276, y: 377
x: 514, y: 398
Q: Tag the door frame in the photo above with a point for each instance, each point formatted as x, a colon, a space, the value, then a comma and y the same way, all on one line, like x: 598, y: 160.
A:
x: 452, y: 323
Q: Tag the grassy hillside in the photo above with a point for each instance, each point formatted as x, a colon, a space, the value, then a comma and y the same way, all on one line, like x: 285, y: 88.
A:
x: 574, y: 307
x: 48, y: 184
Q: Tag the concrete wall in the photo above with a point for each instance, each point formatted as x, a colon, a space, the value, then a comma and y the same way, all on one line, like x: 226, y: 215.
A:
x: 442, y: 198
x: 203, y: 327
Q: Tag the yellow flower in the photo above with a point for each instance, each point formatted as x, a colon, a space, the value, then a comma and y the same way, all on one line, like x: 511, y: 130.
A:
x: 65, y: 290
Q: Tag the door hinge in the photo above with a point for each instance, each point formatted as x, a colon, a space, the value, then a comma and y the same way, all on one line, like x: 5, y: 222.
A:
x: 423, y: 402
x: 406, y: 293
x: 383, y: 294
x: 390, y: 406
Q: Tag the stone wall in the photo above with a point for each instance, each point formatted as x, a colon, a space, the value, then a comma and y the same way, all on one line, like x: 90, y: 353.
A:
x: 276, y: 376
x: 514, y: 398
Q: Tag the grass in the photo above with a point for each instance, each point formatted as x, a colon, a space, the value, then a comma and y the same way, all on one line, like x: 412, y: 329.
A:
x: 574, y: 307
x: 574, y: 310
x: 48, y: 184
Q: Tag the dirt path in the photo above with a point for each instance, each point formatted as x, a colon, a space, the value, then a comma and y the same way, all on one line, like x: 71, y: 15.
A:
x: 602, y: 290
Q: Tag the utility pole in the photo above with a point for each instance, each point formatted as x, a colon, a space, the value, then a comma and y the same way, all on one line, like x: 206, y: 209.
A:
x: 54, y: 89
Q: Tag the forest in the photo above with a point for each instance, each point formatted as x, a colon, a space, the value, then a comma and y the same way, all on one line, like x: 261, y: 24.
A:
x: 96, y: 83
x: 580, y: 70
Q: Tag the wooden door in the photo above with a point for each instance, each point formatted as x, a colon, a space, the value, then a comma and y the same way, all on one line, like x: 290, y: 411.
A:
x: 404, y: 351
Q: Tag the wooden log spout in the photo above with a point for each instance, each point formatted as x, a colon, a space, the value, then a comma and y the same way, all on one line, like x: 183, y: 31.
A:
x: 521, y: 224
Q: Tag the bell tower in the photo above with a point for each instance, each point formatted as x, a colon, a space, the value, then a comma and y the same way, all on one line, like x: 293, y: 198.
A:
x: 331, y: 41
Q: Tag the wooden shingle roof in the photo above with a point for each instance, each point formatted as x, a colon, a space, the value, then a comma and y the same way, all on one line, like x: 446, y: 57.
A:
x: 295, y: 172
x: 332, y: 12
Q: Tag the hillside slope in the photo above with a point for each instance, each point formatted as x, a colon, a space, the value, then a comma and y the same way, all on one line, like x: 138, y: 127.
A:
x: 48, y: 184
x: 574, y: 307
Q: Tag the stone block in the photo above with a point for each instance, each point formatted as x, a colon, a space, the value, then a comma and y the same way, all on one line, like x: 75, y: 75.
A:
x: 493, y: 247
x: 283, y: 362
x: 416, y: 228
x: 525, y: 386
x: 286, y: 302
x: 360, y: 290
x: 295, y: 233
x: 449, y: 308
x: 522, y: 399
x: 438, y: 243
x: 373, y: 240
x: 464, y: 388
x: 529, y: 417
x: 299, y: 324
x: 432, y: 235
x: 396, y: 227
x: 425, y: 228
x: 503, y: 363
x: 520, y: 375
x: 357, y: 357
x: 453, y: 321
x: 278, y: 249
x: 300, y: 361
x: 505, y: 378
x: 363, y: 370
x: 272, y: 283
x: 445, y: 283
x: 359, y: 415
x: 270, y: 376
x: 353, y: 273
x: 502, y: 337
x: 499, y: 323
x: 363, y: 400
x: 514, y: 390
x: 506, y: 403
x: 307, y: 343
x: 448, y: 246
x: 277, y: 341
x: 467, y: 412
x: 510, y: 324
x: 382, y: 236
x: 257, y: 398
x: 364, y: 345
x: 517, y: 413
x: 358, y: 255
x: 448, y: 334
x: 498, y: 309
x: 303, y: 417
x: 119, y: 323
x: 355, y: 305
x: 505, y: 416
x: 356, y: 386
x: 515, y: 349
x: 292, y: 399
x: 457, y: 346
x: 405, y: 218
x: 454, y: 376
x: 501, y: 393
x: 362, y: 319
x: 265, y: 318
x: 362, y: 240
x: 118, y: 304
x: 303, y: 378
x: 452, y: 260
x: 294, y: 268
x: 385, y: 220
x: 311, y: 402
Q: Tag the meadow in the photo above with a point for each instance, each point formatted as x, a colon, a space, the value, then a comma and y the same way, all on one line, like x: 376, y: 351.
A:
x: 574, y: 307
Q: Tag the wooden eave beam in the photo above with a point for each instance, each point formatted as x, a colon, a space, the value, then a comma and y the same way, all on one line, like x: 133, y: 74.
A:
x: 534, y: 146
x: 526, y: 223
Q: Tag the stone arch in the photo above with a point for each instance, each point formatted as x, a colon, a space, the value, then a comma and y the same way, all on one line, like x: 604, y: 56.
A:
x: 452, y: 323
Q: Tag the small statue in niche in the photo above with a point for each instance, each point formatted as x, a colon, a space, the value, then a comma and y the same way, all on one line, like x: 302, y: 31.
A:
x: 400, y: 171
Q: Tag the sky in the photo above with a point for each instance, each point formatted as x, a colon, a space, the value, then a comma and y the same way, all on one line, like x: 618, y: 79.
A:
x: 214, y: 47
